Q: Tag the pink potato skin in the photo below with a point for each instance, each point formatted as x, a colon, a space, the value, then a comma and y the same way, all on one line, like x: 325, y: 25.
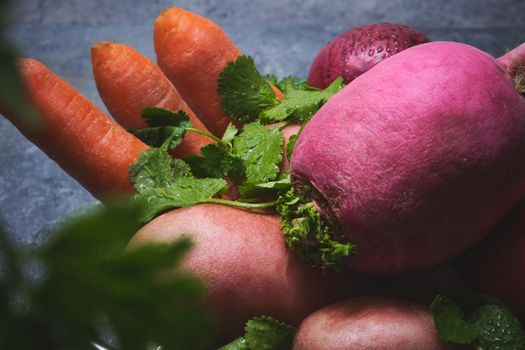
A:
x: 355, y: 51
x: 418, y: 158
x: 497, y: 265
x: 369, y: 323
x: 244, y: 263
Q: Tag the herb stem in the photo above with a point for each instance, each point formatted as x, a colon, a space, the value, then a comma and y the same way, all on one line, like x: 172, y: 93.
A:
x: 240, y: 204
x: 205, y: 133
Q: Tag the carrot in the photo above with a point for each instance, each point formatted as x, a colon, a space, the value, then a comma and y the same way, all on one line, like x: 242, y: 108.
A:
x: 128, y: 82
x: 192, y: 51
x: 78, y: 136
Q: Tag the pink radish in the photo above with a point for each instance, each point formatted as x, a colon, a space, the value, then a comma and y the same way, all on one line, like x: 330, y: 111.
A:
x: 418, y: 158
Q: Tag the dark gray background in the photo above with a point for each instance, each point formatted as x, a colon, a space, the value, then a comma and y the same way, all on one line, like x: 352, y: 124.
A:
x: 282, y: 35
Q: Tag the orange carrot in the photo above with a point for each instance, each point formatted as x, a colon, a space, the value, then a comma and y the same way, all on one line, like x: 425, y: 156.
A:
x: 79, y: 137
x: 128, y: 82
x: 192, y: 51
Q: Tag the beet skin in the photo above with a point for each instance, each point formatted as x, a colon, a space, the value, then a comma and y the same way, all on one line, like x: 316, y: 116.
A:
x: 418, y: 158
x: 497, y: 265
x: 357, y: 50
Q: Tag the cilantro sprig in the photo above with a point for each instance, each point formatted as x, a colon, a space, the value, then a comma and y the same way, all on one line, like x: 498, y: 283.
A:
x: 487, y: 325
x: 299, y: 105
x: 163, y: 182
x: 247, y: 96
x: 244, y: 92
x: 263, y: 333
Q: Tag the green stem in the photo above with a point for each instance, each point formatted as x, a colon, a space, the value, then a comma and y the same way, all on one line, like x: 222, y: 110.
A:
x: 240, y: 204
x: 205, y: 133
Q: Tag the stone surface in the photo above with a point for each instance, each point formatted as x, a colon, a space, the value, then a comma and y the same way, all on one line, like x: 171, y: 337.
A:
x: 282, y: 35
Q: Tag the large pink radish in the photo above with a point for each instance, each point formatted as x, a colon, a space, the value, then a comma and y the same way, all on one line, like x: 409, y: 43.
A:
x: 418, y: 158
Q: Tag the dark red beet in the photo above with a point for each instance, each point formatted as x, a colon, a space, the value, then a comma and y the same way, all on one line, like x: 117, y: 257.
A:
x: 357, y: 50
x: 497, y: 265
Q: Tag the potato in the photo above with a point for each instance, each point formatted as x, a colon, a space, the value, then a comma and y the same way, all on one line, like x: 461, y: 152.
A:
x: 244, y: 263
x: 368, y: 323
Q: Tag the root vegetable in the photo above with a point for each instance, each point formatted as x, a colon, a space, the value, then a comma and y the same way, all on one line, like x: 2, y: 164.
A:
x: 357, y: 50
x: 418, y: 158
x: 242, y: 259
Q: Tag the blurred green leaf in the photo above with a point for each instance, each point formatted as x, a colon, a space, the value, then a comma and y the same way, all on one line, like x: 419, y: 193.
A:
x: 90, y: 276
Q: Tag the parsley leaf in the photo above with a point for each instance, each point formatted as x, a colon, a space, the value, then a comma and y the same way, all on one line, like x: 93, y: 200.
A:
x: 308, y: 234
x: 264, y: 333
x: 183, y: 192
x: 215, y: 161
x: 490, y: 325
x: 261, y: 150
x: 244, y: 92
x: 167, y: 128
x: 300, y: 105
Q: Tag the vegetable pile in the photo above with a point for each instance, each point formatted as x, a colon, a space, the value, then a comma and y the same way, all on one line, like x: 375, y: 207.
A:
x: 314, y: 205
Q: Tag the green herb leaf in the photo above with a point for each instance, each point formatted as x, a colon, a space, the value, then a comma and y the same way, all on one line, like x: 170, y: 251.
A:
x: 489, y: 326
x: 267, y: 188
x: 156, y: 168
x: 261, y: 150
x: 264, y: 333
x: 238, y: 344
x: 287, y: 83
x: 300, y: 105
x: 88, y: 276
x: 308, y: 234
x: 230, y: 133
x: 244, y: 92
x: 167, y: 129
x: 184, y: 192
x: 450, y: 322
x: 216, y: 162
x: 291, y: 144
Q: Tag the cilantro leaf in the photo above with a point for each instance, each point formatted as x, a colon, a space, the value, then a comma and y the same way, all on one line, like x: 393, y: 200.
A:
x: 300, y: 105
x: 450, y: 321
x: 490, y: 325
x: 261, y: 150
x: 287, y: 83
x: 291, y: 144
x: 215, y: 161
x: 156, y: 168
x: 308, y: 234
x: 183, y: 192
x: 244, y: 92
x: 166, y: 128
x: 264, y: 333
x: 267, y: 188
x: 230, y: 133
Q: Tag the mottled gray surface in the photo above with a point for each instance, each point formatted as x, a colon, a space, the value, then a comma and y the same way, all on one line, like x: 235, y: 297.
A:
x: 282, y: 35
